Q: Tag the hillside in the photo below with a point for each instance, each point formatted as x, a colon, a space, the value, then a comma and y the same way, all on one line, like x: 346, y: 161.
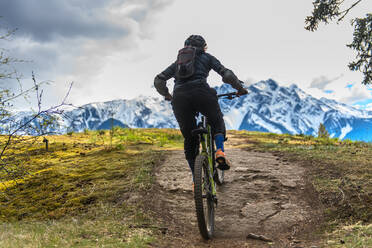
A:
x: 98, y: 189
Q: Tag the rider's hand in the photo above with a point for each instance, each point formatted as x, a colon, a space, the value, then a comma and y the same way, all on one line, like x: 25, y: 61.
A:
x: 168, y: 97
x: 242, y: 91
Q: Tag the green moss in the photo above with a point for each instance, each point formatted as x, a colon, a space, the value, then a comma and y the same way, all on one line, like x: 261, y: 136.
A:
x: 76, y: 175
x: 72, y: 195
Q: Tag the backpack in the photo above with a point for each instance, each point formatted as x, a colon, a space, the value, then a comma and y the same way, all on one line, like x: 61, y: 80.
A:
x: 185, y: 62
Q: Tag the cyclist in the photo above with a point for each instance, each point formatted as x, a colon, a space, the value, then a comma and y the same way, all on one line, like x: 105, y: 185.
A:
x: 192, y: 94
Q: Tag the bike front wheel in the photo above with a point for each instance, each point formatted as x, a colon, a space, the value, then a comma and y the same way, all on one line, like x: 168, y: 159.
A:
x: 204, y: 203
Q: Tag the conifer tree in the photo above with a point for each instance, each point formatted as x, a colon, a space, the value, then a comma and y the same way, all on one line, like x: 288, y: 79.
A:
x: 322, y: 131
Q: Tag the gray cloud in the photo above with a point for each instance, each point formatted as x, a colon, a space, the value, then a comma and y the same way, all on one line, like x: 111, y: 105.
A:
x: 322, y: 81
x: 45, y: 20
x: 71, y: 40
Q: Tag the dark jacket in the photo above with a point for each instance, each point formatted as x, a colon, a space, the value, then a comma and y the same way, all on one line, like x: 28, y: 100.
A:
x: 204, y: 62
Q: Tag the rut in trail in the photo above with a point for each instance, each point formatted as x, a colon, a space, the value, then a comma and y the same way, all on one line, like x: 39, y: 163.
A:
x: 262, y: 195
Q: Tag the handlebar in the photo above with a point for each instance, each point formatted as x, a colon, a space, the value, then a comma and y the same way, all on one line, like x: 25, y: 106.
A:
x: 230, y: 95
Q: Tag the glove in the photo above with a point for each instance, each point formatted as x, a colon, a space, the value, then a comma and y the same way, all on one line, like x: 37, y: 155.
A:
x: 242, y: 91
x: 168, y: 97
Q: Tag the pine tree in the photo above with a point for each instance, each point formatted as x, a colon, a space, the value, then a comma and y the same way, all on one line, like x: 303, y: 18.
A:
x: 322, y: 131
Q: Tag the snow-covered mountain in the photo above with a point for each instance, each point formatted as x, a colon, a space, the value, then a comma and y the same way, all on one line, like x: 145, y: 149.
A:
x: 272, y: 108
x: 268, y: 107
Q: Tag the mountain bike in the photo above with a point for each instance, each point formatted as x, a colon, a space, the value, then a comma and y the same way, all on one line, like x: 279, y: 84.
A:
x: 206, y: 176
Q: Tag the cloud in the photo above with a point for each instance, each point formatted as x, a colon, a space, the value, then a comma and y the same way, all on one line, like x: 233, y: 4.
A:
x: 249, y: 81
x: 322, y: 81
x: 351, y: 95
x: 369, y: 107
x: 339, y: 90
x: 74, y: 40
x: 48, y: 20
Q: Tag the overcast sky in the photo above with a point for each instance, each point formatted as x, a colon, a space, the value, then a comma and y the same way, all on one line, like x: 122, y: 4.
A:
x: 113, y: 49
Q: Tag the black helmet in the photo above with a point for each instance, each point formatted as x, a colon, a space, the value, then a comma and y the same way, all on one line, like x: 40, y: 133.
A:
x: 196, y: 41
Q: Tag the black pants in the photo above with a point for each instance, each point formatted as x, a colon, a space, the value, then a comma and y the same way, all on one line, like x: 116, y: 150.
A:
x: 187, y: 103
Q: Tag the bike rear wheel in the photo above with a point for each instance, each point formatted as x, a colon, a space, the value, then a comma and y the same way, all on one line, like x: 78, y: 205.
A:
x: 204, y: 203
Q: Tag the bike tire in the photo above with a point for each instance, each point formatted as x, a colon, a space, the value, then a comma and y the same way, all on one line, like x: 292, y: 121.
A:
x: 220, y: 176
x: 204, y: 206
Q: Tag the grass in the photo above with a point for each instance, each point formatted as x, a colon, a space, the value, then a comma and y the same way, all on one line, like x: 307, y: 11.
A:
x: 83, y: 191
x: 86, y: 191
x: 102, y: 226
x: 351, y: 236
x: 341, y: 174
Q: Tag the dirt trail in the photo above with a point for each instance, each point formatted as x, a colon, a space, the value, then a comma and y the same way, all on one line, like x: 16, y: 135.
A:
x: 263, y: 195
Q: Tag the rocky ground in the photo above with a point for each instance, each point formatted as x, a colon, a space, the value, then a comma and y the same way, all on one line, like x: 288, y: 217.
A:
x: 264, y: 198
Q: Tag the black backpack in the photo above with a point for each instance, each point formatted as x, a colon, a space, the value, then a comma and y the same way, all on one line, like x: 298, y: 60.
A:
x: 185, y: 62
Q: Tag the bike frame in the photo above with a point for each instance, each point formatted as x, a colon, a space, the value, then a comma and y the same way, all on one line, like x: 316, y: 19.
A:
x: 205, y: 181
x: 207, y: 150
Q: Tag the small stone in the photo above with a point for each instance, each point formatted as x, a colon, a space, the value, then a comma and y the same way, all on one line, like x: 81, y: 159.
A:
x: 241, y: 169
x: 289, y: 184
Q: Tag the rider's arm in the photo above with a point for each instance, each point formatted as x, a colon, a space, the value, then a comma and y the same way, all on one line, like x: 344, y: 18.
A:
x: 227, y: 75
x: 160, y: 81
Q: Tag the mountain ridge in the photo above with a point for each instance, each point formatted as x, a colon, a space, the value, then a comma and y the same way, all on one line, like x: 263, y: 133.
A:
x: 268, y: 107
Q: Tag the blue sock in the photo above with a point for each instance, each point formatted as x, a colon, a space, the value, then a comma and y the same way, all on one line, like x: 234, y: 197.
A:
x: 219, y: 139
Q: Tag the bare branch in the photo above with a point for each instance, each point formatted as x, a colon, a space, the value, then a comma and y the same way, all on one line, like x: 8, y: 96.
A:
x: 345, y: 12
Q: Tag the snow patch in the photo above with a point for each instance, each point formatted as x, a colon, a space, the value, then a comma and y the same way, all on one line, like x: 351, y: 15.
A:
x: 345, y: 131
x: 302, y: 95
x: 260, y: 85
x: 234, y: 118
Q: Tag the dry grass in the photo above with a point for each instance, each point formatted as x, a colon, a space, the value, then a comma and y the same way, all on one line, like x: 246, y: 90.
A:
x: 80, y: 193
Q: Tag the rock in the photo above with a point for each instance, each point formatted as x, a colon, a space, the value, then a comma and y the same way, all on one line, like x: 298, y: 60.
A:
x: 241, y: 169
x: 259, y: 210
x: 258, y: 237
x: 289, y: 206
x: 288, y: 183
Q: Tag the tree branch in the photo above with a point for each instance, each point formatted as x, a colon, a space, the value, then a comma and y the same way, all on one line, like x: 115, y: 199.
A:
x: 345, y: 12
